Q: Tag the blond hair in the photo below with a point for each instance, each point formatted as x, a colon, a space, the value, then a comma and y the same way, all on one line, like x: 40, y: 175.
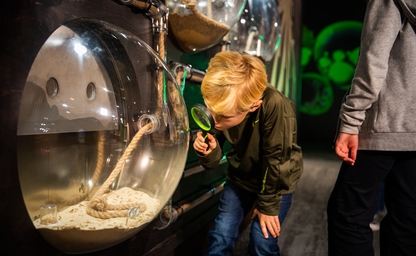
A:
x: 233, y: 82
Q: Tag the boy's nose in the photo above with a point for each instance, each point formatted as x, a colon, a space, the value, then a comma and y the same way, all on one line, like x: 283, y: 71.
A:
x: 216, y: 119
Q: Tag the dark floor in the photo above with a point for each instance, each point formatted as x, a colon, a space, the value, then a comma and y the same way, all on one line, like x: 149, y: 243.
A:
x: 304, y: 232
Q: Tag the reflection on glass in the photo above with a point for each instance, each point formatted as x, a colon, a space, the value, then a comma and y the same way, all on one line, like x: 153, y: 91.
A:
x: 102, y: 138
x: 258, y: 31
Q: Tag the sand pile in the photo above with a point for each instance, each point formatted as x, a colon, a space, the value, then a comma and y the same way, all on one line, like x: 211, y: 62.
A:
x: 76, y: 217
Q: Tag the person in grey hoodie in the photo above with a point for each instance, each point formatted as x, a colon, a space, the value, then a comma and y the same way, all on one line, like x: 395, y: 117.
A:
x: 377, y: 138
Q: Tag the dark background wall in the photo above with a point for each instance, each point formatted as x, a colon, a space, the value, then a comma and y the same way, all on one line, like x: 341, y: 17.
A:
x: 330, y: 46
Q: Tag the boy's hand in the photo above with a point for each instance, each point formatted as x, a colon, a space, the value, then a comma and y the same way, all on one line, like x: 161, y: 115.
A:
x: 268, y: 223
x: 204, y: 145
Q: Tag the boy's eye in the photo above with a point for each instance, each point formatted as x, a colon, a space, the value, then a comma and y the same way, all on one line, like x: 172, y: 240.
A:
x: 222, y: 117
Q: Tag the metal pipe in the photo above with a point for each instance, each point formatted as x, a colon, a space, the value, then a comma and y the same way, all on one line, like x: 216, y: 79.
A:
x: 192, y: 74
x: 155, y: 8
x: 191, y: 204
x: 171, y: 213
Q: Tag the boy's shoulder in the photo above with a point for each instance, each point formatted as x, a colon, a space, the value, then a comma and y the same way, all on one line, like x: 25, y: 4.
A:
x: 274, y: 99
x: 273, y: 95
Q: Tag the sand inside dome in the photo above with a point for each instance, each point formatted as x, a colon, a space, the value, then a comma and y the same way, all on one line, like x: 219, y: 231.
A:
x: 76, y: 217
x: 196, y: 31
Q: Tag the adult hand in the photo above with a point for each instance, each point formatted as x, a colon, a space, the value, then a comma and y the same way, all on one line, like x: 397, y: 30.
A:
x: 268, y: 223
x: 346, y: 147
x: 204, y: 145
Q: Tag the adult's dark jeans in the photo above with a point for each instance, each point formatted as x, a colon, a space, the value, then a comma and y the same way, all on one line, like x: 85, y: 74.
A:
x: 353, y: 201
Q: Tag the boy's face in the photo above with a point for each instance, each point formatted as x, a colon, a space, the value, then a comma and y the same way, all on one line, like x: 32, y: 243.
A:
x: 224, y: 122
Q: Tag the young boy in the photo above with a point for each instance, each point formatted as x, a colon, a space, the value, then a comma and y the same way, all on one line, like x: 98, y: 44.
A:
x: 264, y: 161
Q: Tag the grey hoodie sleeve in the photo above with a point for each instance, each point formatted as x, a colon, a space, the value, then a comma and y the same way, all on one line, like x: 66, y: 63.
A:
x: 381, y: 26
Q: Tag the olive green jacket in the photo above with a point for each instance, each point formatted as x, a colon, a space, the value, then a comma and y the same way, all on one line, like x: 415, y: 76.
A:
x: 264, y: 157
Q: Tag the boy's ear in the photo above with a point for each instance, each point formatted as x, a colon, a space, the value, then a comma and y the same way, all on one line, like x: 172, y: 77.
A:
x: 256, y: 105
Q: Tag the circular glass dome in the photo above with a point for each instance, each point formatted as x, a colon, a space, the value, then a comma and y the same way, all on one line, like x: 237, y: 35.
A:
x: 200, y: 24
x: 102, y: 136
x: 258, y: 31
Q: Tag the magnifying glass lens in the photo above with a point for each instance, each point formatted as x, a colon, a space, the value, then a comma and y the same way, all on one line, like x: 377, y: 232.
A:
x: 202, y: 117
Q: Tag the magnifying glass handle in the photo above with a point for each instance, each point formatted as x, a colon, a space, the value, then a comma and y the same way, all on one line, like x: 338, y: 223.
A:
x: 205, y: 136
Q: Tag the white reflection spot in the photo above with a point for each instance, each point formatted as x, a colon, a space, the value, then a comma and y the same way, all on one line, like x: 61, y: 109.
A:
x: 80, y: 49
x: 103, y: 111
x: 144, y: 162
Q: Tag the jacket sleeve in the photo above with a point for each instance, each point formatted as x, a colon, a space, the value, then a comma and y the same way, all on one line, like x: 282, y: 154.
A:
x: 278, y: 130
x: 212, y: 160
x: 381, y: 26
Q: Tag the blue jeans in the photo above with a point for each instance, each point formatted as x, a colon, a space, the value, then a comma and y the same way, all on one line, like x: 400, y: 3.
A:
x: 235, y: 203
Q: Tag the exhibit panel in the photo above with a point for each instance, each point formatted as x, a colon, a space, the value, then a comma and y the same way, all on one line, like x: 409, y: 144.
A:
x: 98, y: 132
x: 99, y: 139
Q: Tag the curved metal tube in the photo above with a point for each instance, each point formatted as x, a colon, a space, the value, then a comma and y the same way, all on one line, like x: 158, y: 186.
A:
x: 155, y: 8
x: 192, y: 74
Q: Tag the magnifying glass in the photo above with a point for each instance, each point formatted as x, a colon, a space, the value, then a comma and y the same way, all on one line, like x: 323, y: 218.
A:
x: 202, y: 118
